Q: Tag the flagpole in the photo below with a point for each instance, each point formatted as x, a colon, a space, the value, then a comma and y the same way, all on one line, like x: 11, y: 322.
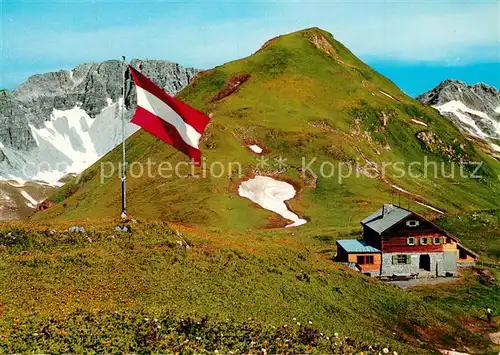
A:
x: 124, y: 161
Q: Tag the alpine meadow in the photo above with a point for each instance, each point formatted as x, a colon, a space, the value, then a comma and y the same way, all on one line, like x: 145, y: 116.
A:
x: 208, y: 260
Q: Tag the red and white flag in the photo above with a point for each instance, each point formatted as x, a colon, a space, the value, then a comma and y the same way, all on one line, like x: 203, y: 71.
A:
x: 168, y: 118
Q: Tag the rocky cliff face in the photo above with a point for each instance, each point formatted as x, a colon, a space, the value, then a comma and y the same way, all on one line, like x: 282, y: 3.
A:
x: 473, y: 109
x: 60, y: 123
x: 69, y: 103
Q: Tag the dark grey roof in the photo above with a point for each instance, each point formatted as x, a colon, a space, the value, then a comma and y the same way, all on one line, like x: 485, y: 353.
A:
x: 356, y: 246
x: 385, y: 218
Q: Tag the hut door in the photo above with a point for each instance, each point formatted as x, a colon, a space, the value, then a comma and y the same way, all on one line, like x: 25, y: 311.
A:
x: 425, y: 262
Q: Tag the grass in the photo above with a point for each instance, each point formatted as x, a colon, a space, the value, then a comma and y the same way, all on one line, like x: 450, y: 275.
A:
x: 300, y: 102
x: 271, y: 278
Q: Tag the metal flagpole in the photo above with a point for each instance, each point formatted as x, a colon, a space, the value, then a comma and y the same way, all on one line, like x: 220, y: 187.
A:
x: 124, y: 161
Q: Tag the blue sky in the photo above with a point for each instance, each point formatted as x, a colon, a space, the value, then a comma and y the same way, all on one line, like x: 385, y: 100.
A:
x: 417, y: 44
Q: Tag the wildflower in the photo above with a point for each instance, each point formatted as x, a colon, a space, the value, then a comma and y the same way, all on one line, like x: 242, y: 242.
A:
x: 285, y: 325
x: 156, y: 320
x: 294, y: 318
x: 216, y: 351
x: 310, y: 322
x: 146, y: 319
x: 159, y: 326
x: 35, y: 334
x: 263, y: 351
x: 336, y: 334
x: 298, y: 323
x: 198, y: 338
x: 385, y: 351
x: 327, y: 338
x: 394, y: 353
x: 321, y: 334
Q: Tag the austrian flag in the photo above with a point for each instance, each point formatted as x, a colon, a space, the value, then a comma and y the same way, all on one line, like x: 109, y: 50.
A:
x: 168, y: 118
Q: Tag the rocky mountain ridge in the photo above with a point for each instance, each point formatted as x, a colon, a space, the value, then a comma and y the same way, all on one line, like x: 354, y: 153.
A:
x: 59, y: 123
x: 90, y: 87
x: 474, y: 109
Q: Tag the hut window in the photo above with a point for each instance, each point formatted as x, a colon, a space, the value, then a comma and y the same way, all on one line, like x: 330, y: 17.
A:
x: 448, y: 240
x: 437, y: 240
x: 365, y: 259
x: 411, y: 241
x: 412, y: 223
x: 401, y: 259
x: 424, y: 241
x: 462, y: 254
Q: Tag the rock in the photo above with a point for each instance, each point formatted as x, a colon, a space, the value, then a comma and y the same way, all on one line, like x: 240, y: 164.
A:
x: 480, y: 97
x: 76, y: 229
x: 89, y: 86
x: 124, y: 229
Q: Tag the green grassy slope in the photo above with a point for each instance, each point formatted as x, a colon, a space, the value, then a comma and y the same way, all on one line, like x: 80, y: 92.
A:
x: 308, y: 96
x: 67, y: 292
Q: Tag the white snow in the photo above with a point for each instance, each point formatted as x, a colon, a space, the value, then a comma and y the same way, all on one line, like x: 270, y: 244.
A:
x: 497, y: 110
x: 419, y: 122
x: 495, y: 147
x: 452, y: 352
x: 255, y: 148
x: 400, y: 189
x: 418, y: 202
x: 429, y: 207
x: 68, y: 143
x: 386, y: 94
x: 271, y: 194
x: 31, y: 201
x: 460, y: 110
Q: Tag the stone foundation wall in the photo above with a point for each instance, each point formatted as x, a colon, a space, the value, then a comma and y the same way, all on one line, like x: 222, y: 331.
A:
x: 437, y: 266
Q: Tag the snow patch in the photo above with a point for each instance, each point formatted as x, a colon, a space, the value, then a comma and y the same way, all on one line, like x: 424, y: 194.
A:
x: 419, y: 122
x: 386, y: 94
x: 460, y: 110
x: 429, y: 207
x: 271, y: 194
x: 400, y: 189
x: 69, y: 142
x: 495, y: 147
x: 31, y: 201
x: 497, y: 110
x: 255, y: 148
x: 452, y: 352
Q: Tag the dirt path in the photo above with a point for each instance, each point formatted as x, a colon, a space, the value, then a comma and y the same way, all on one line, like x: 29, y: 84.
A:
x: 422, y: 282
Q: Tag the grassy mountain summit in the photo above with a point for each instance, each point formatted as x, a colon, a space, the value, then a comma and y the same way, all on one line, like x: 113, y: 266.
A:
x: 302, y: 96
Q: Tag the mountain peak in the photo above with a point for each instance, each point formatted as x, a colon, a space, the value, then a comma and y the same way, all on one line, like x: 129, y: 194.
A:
x: 480, y: 96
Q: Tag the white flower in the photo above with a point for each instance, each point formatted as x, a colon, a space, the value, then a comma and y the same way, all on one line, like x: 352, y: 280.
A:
x: 394, y: 353
x: 321, y: 334
x: 156, y: 320
x: 310, y: 322
x: 216, y: 351
x: 298, y: 323
x: 336, y: 334
x: 146, y: 319
x: 385, y: 351
x: 294, y: 318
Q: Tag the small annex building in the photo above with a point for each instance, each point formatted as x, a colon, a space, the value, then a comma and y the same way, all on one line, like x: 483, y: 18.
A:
x: 399, y: 242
